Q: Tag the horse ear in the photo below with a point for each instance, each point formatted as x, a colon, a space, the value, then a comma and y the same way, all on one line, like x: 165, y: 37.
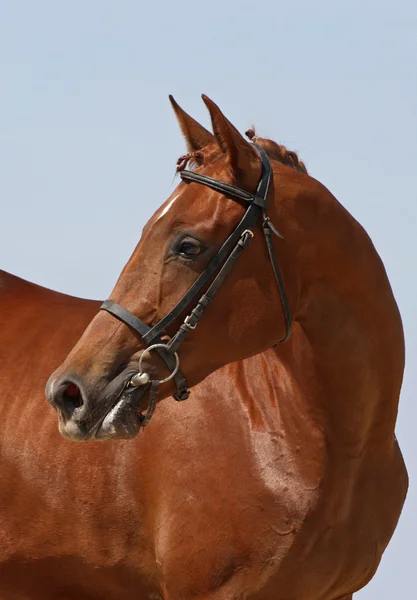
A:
x: 196, y: 136
x: 241, y: 153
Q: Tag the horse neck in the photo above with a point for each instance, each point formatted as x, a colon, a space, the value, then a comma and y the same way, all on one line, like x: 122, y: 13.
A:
x: 348, y: 318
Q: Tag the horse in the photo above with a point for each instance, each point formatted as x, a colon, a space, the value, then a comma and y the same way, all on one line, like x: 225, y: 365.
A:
x: 281, y: 476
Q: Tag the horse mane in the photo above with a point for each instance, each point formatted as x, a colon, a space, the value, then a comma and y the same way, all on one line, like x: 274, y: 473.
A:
x: 278, y: 152
x: 275, y: 151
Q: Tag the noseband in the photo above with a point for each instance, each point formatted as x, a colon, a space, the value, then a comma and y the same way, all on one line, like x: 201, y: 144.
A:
x: 221, y: 263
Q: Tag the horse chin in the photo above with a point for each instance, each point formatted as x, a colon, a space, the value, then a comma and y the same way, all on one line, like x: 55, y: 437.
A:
x: 74, y: 431
x: 123, y: 420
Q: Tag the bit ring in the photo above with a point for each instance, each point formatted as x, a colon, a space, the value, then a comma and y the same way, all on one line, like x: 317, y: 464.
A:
x: 153, y: 347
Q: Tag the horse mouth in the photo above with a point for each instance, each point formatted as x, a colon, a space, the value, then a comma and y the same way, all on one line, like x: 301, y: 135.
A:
x: 124, y: 419
x: 119, y: 417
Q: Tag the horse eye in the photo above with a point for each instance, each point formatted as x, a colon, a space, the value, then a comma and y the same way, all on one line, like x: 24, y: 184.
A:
x: 189, y: 248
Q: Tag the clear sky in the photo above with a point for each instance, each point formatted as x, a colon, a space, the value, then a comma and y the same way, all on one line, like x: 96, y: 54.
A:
x: 88, y: 141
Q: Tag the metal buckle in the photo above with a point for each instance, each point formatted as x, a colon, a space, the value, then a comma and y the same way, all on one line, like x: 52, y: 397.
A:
x: 248, y: 231
x: 187, y: 322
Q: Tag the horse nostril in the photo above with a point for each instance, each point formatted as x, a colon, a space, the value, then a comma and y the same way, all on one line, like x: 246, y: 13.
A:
x: 67, y: 398
x: 72, y: 394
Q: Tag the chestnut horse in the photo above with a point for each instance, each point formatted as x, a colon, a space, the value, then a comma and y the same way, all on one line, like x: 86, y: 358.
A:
x: 280, y: 478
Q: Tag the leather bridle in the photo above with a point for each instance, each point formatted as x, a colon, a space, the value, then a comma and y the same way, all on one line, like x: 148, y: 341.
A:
x: 221, y: 263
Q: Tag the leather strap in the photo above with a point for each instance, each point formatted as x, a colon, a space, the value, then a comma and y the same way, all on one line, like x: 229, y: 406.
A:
x: 268, y: 230
x: 153, y: 398
x: 127, y: 317
x: 219, y: 186
x: 248, y: 222
x: 259, y: 198
x: 192, y: 320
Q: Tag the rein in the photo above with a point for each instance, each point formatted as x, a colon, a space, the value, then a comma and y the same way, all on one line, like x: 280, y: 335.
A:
x: 221, y: 263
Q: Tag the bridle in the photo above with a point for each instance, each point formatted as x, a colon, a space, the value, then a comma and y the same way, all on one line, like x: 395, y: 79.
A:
x: 221, y: 263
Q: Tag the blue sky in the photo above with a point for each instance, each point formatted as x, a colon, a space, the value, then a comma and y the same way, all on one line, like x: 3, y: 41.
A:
x: 88, y: 141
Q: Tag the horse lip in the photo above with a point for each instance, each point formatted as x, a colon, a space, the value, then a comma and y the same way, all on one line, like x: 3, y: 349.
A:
x: 121, y: 384
x: 122, y: 420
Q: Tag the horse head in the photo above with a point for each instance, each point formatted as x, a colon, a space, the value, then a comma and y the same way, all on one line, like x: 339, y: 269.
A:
x: 221, y: 271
